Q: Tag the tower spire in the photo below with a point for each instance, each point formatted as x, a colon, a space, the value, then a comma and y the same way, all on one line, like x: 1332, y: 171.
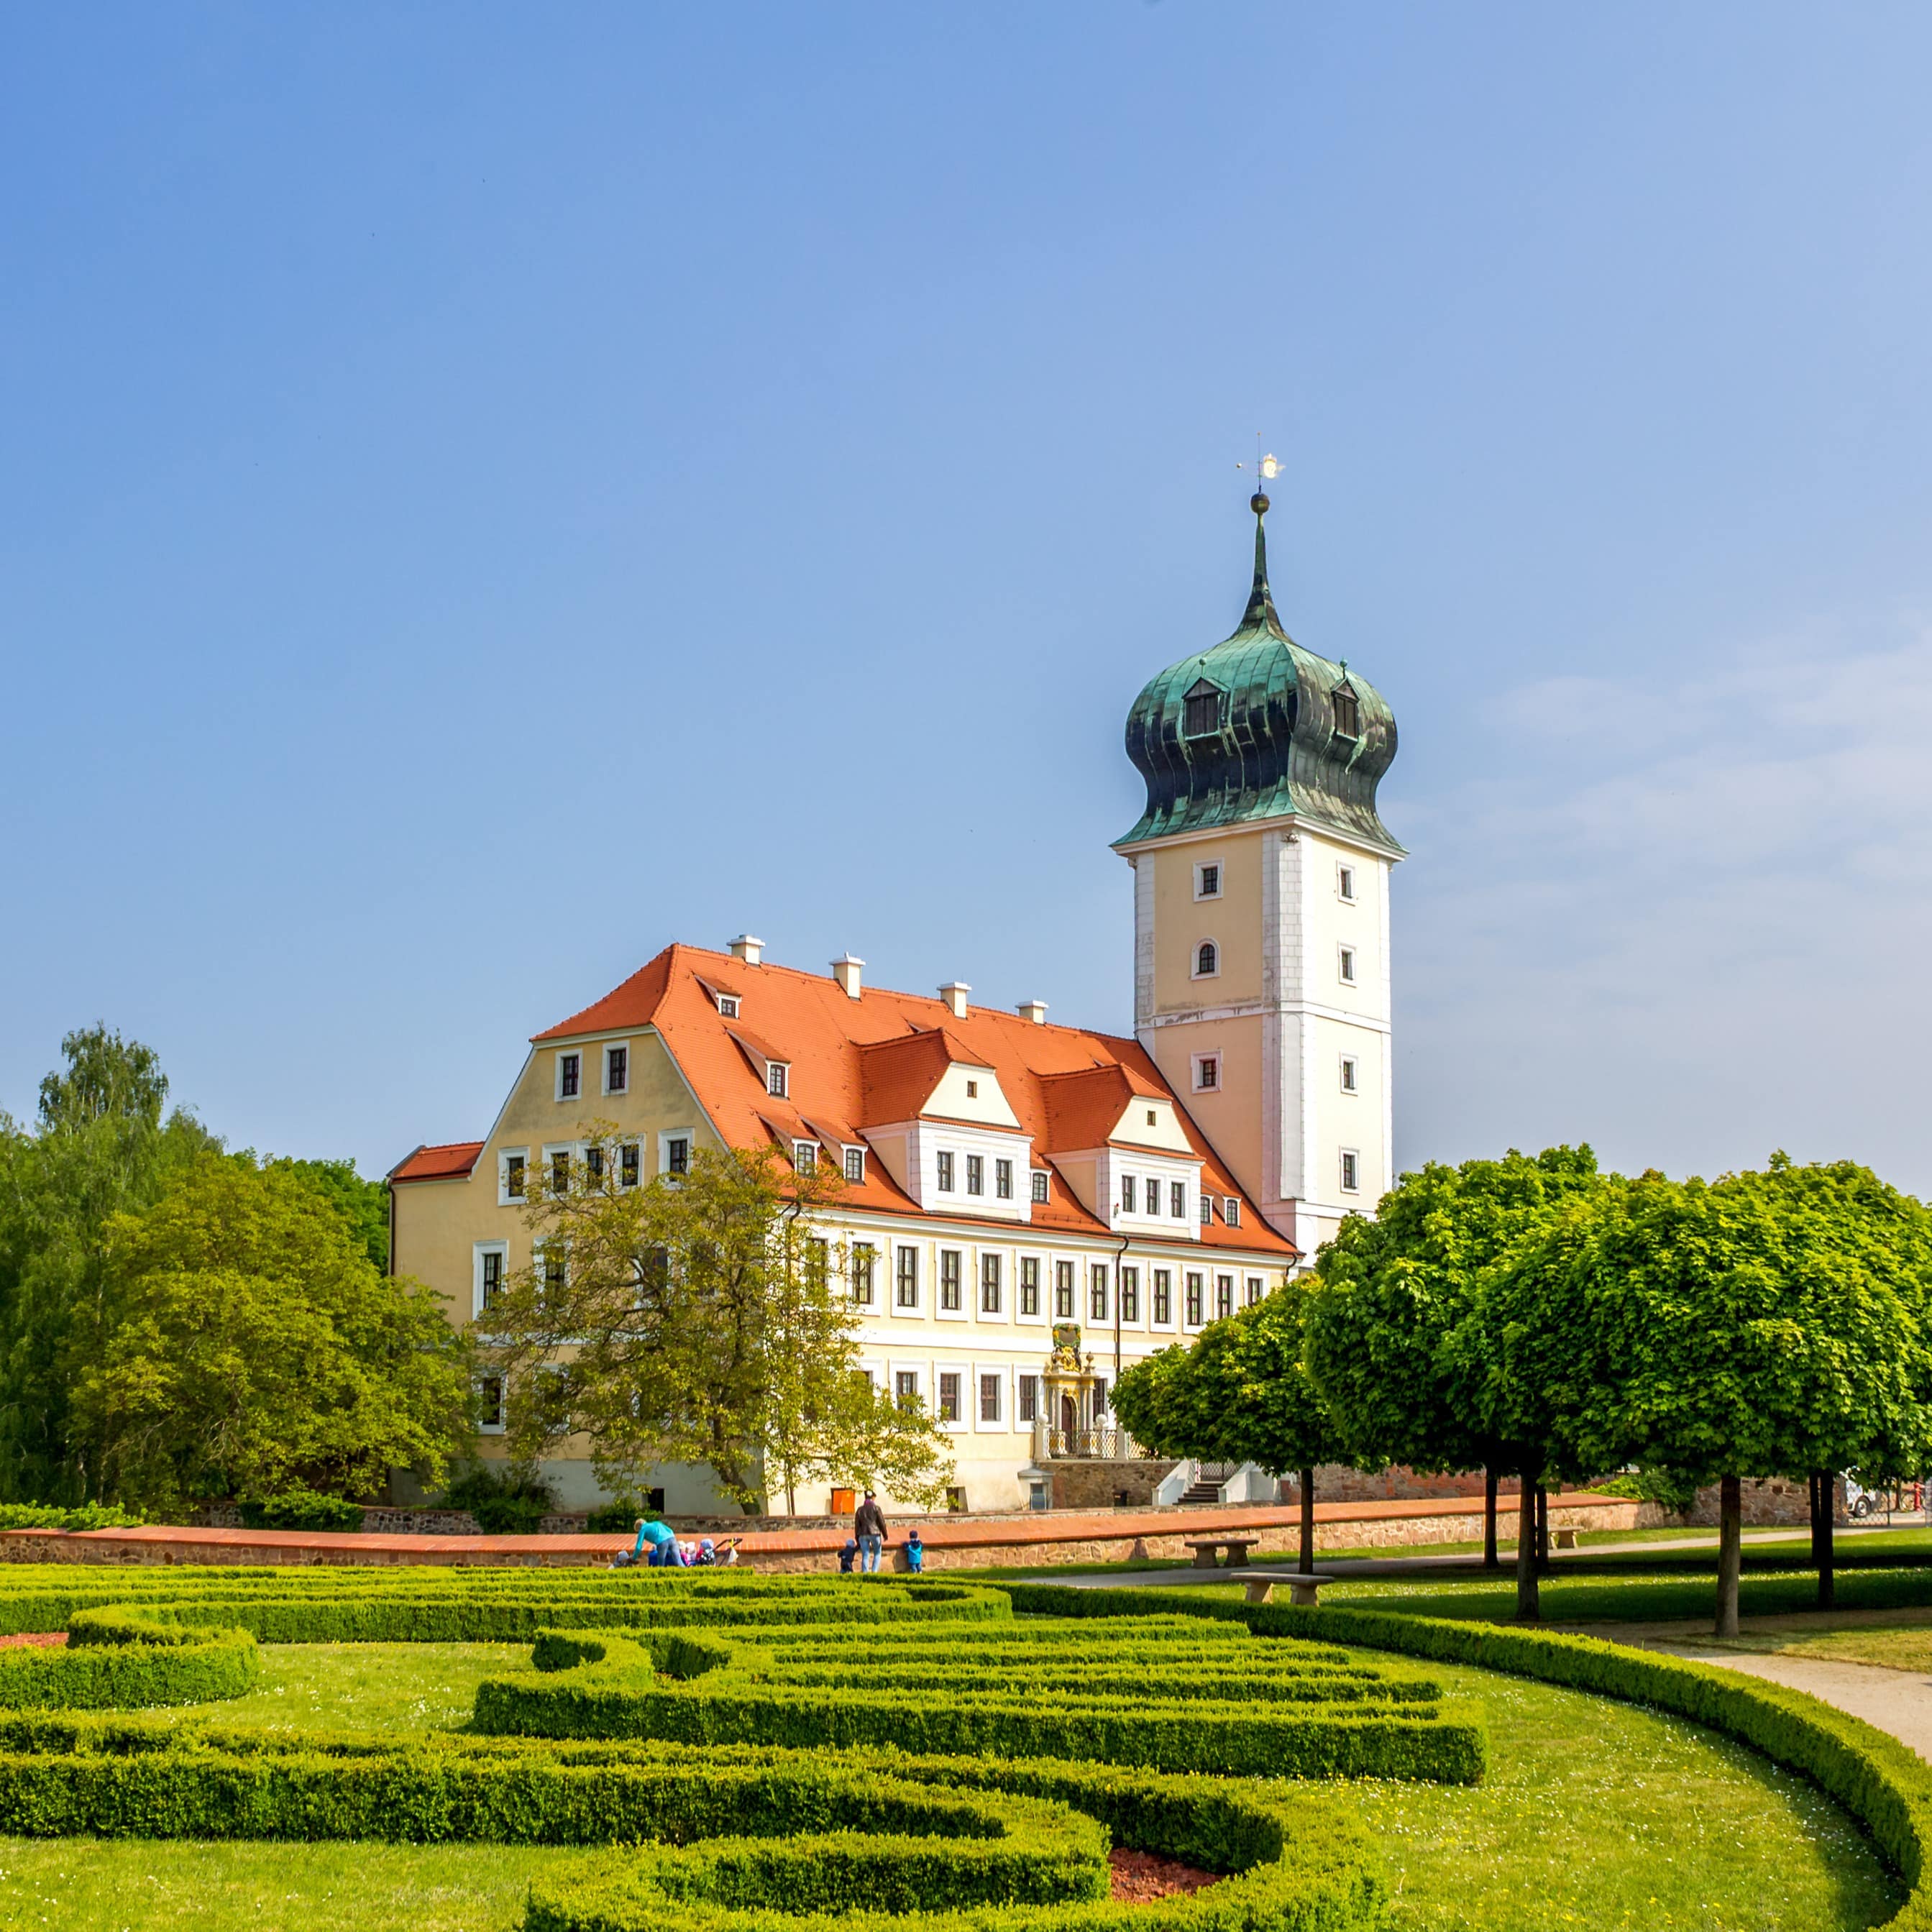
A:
x: 1260, y: 614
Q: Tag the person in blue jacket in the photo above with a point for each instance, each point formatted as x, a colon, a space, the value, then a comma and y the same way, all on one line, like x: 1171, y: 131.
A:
x: 915, y: 1553
x: 658, y: 1535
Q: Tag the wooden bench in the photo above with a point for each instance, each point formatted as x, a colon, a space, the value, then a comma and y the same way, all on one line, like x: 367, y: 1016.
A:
x: 1302, y: 1589
x: 1204, y: 1547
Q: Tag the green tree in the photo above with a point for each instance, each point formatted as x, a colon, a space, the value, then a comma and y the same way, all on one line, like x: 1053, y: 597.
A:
x: 364, y: 1204
x: 1389, y: 1294
x: 1240, y: 1393
x: 248, y: 1343
x: 1769, y: 1323
x: 701, y: 1318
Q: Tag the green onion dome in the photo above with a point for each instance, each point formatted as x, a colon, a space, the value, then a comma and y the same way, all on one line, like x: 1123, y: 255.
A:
x: 1258, y: 727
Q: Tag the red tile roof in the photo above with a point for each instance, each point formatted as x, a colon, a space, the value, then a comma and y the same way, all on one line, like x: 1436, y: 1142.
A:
x: 868, y: 1060
x: 446, y: 1163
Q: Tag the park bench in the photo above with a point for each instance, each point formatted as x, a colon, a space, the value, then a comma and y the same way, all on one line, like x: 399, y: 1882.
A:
x: 1303, y: 1589
x: 1563, y: 1539
x: 1204, y: 1547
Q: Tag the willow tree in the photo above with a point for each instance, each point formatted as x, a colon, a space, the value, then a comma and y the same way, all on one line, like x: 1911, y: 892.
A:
x: 702, y: 1317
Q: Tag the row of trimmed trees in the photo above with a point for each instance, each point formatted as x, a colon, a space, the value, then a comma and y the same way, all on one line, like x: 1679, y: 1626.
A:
x: 1537, y: 1318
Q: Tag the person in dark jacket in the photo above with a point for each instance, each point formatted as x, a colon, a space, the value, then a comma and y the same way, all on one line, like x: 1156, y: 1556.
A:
x: 868, y: 1525
x: 848, y: 1555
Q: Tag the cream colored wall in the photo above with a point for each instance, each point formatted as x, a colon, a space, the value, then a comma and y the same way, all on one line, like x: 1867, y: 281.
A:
x: 1232, y: 1117
x: 1351, y: 1121
x: 951, y: 1101
x: 1233, y: 921
x: 1134, y: 1127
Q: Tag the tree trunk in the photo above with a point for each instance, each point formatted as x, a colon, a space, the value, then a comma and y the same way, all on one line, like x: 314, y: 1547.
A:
x: 1730, y: 1552
x: 1824, y: 1497
x: 1489, y: 1559
x: 1308, y: 1523
x: 1542, y: 1528
x: 1528, y: 1603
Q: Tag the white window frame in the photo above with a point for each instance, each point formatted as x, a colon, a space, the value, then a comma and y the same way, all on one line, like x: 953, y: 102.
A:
x: 1230, y: 1210
x: 1200, y: 1060
x: 604, y: 1053
x: 1344, y: 965
x: 727, y: 1005
x: 853, y: 1157
x: 1039, y: 1192
x: 1194, y: 971
x: 871, y: 1250
x: 914, y: 1370
x: 962, y: 1422
x: 1042, y: 1287
x: 1001, y: 1424
x: 1177, y: 1211
x: 804, y: 1156
x: 964, y: 1312
x: 687, y: 1135
x: 779, y: 1070
x: 482, y: 1248
x: 1350, y: 1162
x: 564, y: 1053
x: 635, y: 1147
x: 917, y: 1306
x: 1218, y: 868
x: 1024, y: 1376
x: 502, y: 1422
x: 568, y: 1150
x: 1349, y: 1068
x: 1345, y: 883
x: 505, y: 1199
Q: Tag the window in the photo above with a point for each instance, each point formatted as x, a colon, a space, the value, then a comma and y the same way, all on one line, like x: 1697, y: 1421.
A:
x: 1029, y: 1284
x: 1344, y: 883
x: 727, y: 1005
x: 1163, y: 1294
x: 955, y: 1500
x: 1230, y: 1210
x: 1255, y: 1290
x: 1348, y: 1073
x: 1130, y: 1294
x: 513, y: 1176
x: 1202, y: 710
x: 1224, y: 1296
x: 975, y: 1173
x: 818, y: 1259
x: 1029, y: 1402
x: 1208, y: 882
x: 1100, y: 1395
x: 778, y: 1077
x: 990, y: 1285
x: 593, y: 1166
x: 864, y: 1263
x: 1040, y: 1178
x: 1207, y: 1072
x: 972, y: 1090
x: 1063, y: 1290
x: 552, y: 1256
x: 1002, y: 1179
x: 1347, y: 963
x: 1130, y: 1193
x: 905, y: 1387
x: 1207, y: 960
x: 855, y: 1165
x: 677, y: 1154
x: 1153, y: 1196
x: 490, y: 1404
x: 616, y: 1070
x: 989, y: 1398
x: 489, y: 1277
x: 1351, y: 1171
x: 1348, y: 713
x: 627, y: 1164
x: 569, y: 1075
x: 949, y: 1280
x: 1207, y: 1209
x: 949, y: 1396
x: 905, y: 1293
x: 945, y: 1171
x: 653, y: 1274
x: 1177, y: 1199
x: 805, y: 1156
x: 559, y: 1174
x: 1097, y: 1292
x: 1193, y: 1300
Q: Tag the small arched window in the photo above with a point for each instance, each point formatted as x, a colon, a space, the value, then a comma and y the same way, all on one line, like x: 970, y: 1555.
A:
x: 1207, y: 960
x: 1203, y: 710
x: 1348, y: 712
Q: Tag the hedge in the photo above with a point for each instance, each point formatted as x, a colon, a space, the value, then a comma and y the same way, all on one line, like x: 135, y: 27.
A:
x: 115, y: 1659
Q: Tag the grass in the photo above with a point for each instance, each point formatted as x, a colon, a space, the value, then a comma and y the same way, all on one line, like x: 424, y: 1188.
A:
x: 1595, y: 1815
x: 1895, y: 1646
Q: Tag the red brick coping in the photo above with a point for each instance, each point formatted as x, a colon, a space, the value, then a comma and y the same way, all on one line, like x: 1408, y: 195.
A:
x: 1038, y: 1537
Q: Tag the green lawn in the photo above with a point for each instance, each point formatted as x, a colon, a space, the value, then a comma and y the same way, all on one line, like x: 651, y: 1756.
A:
x: 1896, y: 1646
x: 1596, y: 1814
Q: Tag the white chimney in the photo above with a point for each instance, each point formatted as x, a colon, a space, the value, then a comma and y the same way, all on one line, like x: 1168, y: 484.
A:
x: 846, y: 971
x: 954, y: 994
x: 1034, y: 1010
x: 748, y: 949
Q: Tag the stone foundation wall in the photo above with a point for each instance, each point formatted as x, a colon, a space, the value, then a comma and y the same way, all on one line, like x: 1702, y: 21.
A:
x: 1766, y: 1502
x: 1081, y: 1484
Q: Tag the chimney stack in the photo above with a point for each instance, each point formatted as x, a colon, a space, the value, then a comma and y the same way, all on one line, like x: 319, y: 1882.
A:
x: 747, y: 949
x: 1034, y: 1010
x: 954, y: 994
x: 846, y: 971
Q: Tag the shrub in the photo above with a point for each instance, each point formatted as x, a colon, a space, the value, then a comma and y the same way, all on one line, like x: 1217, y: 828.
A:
x: 300, y: 1509
x: 1665, y: 1487
x: 84, y: 1516
x: 113, y: 1660
x: 512, y: 1504
x: 618, y: 1516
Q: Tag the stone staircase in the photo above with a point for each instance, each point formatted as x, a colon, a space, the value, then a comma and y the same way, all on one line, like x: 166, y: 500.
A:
x: 1205, y: 1492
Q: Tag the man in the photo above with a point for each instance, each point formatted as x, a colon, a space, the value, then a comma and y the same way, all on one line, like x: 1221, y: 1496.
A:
x: 868, y: 1526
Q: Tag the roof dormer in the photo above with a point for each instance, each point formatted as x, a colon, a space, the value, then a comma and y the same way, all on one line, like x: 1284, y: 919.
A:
x: 773, y: 1068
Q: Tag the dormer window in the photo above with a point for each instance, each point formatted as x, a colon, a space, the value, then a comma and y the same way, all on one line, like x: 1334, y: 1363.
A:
x: 727, y: 1005
x: 1207, y: 960
x: 1039, y: 1186
x: 778, y: 1077
x: 855, y: 1165
x: 1202, y: 713
x: 804, y: 1155
x: 1348, y: 712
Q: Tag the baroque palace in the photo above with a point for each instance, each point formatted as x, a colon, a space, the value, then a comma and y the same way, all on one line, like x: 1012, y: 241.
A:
x: 1030, y: 1208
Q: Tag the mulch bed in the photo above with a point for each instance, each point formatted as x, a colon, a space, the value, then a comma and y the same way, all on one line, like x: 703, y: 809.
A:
x: 1139, y: 1876
x: 45, y: 1639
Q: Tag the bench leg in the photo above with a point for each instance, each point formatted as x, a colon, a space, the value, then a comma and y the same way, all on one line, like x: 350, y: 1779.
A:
x: 1237, y: 1556
x: 1259, y: 1590
x: 1302, y: 1592
x: 1204, y: 1559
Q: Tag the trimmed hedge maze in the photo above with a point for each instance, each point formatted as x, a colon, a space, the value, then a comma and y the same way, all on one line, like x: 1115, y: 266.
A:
x: 759, y: 1751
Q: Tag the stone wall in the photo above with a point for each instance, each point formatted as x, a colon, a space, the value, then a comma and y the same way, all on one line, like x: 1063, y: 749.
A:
x: 1766, y: 1502
x: 1082, y: 1484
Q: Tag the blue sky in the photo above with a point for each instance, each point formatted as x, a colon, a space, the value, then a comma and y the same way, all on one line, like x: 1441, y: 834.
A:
x: 484, y: 491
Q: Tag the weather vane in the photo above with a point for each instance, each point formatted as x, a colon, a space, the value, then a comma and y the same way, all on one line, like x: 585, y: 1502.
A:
x: 1266, y: 469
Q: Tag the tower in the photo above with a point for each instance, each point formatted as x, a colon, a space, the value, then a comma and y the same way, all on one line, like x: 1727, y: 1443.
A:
x: 1261, y: 912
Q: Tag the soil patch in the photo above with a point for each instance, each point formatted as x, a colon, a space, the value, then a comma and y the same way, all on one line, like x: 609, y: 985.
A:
x: 45, y: 1639
x: 1139, y: 1876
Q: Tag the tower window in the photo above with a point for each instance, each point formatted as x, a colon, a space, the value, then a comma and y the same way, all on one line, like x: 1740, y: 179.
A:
x: 1202, y: 712
x: 1348, y: 965
x: 1348, y: 713
x: 1349, y: 1085
x: 1208, y: 882
x: 1351, y: 1171
x: 1207, y: 960
x: 1207, y: 1072
x: 1344, y: 883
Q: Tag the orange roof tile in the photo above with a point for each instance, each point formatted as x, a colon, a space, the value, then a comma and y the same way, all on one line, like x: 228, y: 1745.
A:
x: 868, y: 1060
x: 446, y: 1163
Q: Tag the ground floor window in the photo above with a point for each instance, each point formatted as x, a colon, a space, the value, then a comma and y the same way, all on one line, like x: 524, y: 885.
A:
x: 1029, y: 1398
x: 989, y: 1398
x: 949, y: 1396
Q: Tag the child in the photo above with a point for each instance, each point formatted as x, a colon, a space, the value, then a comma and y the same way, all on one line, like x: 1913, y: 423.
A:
x: 915, y: 1553
x: 848, y: 1555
